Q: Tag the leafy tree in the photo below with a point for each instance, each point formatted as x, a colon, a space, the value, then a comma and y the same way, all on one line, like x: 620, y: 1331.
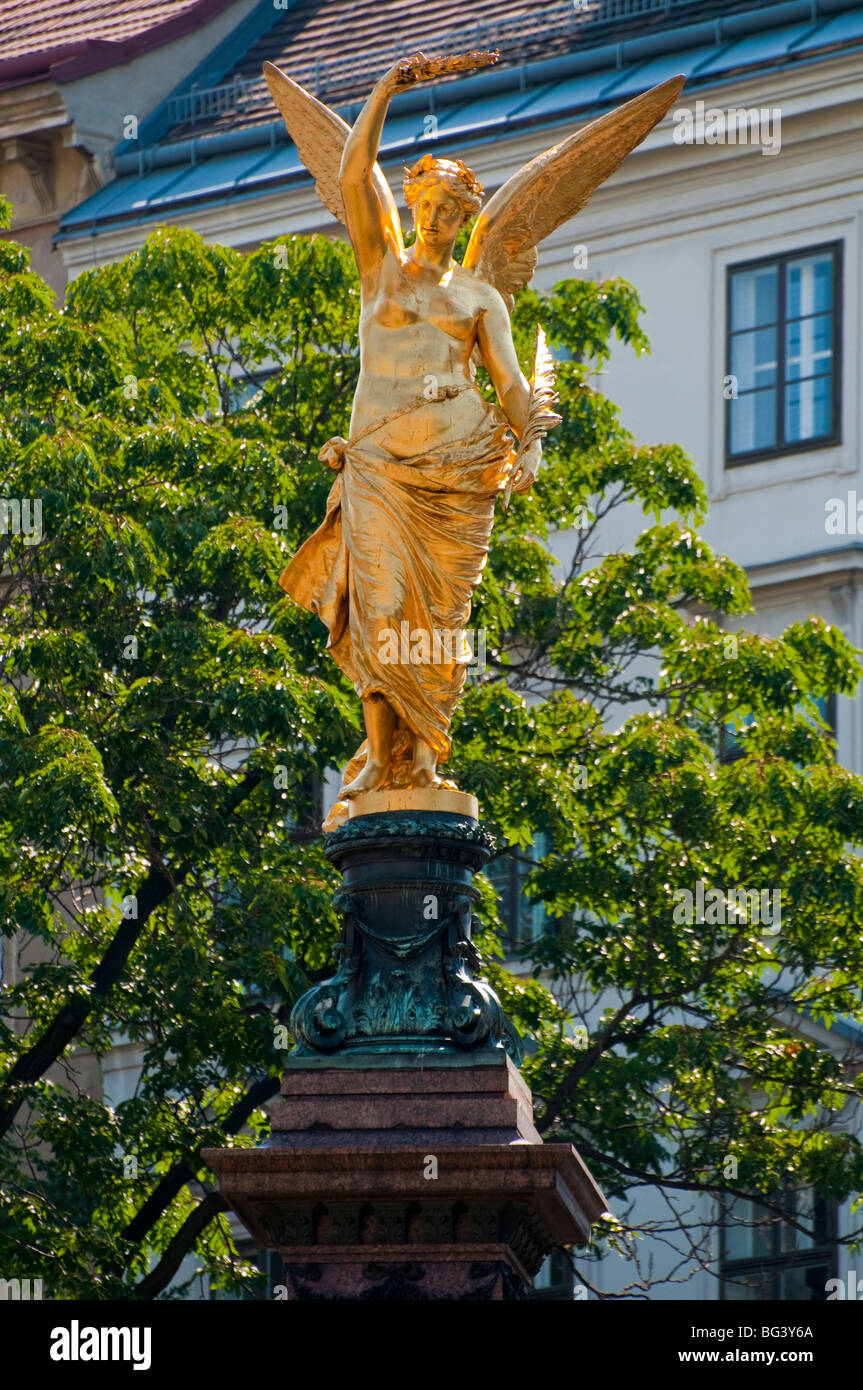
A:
x: 166, y: 717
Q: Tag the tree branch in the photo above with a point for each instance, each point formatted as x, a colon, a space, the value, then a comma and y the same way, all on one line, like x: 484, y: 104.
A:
x: 159, y: 1277
x: 50, y: 1046
x: 182, y: 1172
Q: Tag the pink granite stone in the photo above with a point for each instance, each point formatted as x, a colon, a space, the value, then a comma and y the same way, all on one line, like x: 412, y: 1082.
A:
x: 410, y: 1182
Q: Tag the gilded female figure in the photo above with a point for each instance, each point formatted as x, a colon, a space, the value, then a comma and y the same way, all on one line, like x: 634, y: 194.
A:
x: 408, y: 520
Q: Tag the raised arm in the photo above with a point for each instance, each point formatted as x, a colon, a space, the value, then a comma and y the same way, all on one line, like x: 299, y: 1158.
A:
x: 367, y: 220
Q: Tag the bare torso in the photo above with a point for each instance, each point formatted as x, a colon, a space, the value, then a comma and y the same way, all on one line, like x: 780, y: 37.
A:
x: 417, y: 333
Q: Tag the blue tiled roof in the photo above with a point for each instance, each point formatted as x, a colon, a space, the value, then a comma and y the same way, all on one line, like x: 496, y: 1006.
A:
x: 539, y: 94
x: 641, y: 76
x: 760, y: 48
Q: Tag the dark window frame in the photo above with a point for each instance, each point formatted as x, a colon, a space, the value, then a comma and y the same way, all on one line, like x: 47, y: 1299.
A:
x: 507, y: 873
x: 557, y: 1270
x: 801, y: 446
x: 730, y: 751
x: 773, y: 1266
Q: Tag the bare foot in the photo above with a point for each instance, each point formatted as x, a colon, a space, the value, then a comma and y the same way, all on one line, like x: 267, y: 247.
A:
x: 370, y: 779
x: 424, y: 768
x: 425, y: 777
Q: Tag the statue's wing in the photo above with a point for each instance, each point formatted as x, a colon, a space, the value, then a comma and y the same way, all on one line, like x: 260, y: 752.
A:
x: 555, y: 186
x: 320, y: 135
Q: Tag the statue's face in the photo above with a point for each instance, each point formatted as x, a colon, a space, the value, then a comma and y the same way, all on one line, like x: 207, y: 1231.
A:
x: 437, y: 216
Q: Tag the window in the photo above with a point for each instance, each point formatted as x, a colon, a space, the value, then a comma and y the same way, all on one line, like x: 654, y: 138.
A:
x: 729, y: 744
x: 784, y: 354
x: 764, y: 1257
x: 244, y: 387
x: 554, y: 1281
x: 525, y: 920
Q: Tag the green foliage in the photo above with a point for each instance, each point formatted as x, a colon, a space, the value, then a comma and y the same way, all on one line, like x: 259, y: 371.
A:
x: 166, y: 717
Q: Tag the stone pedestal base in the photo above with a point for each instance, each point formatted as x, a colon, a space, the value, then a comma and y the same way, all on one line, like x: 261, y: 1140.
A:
x: 423, y: 1179
x: 403, y: 1160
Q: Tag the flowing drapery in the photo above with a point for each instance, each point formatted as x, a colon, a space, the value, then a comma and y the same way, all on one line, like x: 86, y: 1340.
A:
x: 399, y: 553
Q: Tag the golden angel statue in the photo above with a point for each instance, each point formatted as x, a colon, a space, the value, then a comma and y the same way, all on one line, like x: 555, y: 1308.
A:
x: 408, y: 520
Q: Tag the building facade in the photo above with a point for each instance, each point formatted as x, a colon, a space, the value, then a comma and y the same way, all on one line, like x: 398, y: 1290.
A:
x: 73, y: 84
x: 739, y: 220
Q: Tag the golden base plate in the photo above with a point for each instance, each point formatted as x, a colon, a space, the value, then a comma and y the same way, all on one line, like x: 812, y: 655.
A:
x: 415, y: 799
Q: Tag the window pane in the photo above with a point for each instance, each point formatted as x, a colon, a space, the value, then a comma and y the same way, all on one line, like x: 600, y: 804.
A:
x: 555, y: 1277
x: 533, y: 920
x: 749, y: 1231
x: 503, y: 873
x: 753, y: 421
x: 525, y: 920
x: 805, y: 1285
x: 753, y: 359
x: 811, y: 1210
x: 808, y: 346
x: 754, y: 297
x: 781, y: 332
x: 808, y: 408
x: 809, y: 286
x: 764, y: 1256
x: 749, y: 1287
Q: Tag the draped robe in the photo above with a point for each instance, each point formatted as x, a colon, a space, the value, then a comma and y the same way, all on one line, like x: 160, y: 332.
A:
x: 405, y: 541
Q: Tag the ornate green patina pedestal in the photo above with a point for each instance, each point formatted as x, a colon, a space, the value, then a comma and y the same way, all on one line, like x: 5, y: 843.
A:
x: 406, y: 962
x: 403, y: 1160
